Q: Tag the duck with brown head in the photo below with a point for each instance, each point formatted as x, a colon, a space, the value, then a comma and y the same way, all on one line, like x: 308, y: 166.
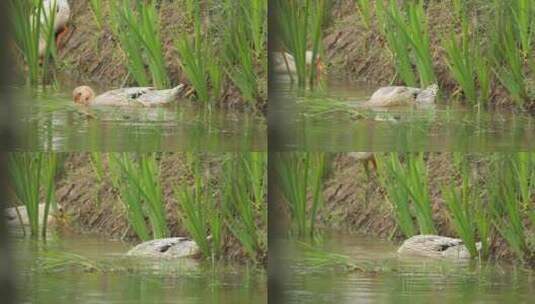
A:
x: 137, y: 96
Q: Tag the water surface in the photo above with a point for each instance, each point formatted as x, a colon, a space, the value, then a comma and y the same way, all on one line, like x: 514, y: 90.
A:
x: 385, y: 278
x: 126, y: 280
x: 333, y: 119
x: 51, y: 122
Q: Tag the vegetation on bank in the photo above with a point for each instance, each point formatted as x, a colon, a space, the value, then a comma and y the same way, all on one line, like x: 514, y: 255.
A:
x: 478, y: 51
x: 220, y: 210
x: 299, y: 28
x: 478, y: 204
x: 220, y: 48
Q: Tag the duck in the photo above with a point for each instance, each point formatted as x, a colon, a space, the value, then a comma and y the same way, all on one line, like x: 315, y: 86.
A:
x: 284, y: 63
x: 435, y: 246
x: 140, y: 96
x: 393, y: 96
x: 61, y: 19
x: 13, y: 219
x: 174, y: 247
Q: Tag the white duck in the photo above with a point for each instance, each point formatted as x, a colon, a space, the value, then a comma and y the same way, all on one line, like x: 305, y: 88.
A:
x: 144, y: 96
x: 61, y: 11
x: 284, y: 63
x: 435, y: 246
x: 401, y: 96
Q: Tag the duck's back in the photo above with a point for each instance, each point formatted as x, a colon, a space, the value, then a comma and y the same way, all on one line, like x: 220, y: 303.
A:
x: 393, y: 96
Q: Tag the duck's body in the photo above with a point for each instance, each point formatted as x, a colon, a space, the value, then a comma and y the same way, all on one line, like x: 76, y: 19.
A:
x: 61, y: 11
x: 137, y: 96
x: 177, y: 247
x: 435, y: 246
x: 284, y: 63
x: 401, y: 96
x: 13, y: 219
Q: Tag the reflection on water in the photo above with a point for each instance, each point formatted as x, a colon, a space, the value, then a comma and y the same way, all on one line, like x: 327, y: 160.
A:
x: 390, y: 279
x: 305, y: 123
x: 129, y: 280
x: 53, y: 122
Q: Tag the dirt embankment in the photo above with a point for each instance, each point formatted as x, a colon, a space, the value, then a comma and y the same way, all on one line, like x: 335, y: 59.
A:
x: 92, y: 54
x: 354, y: 202
x: 355, y: 52
x: 93, y: 206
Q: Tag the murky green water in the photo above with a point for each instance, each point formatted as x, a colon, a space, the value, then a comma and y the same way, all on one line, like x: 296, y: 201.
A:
x: 313, y: 123
x: 52, y: 122
x: 127, y: 280
x: 389, y: 279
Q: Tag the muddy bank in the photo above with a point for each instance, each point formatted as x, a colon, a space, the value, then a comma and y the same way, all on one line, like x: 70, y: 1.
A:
x: 358, y: 203
x: 93, y: 55
x: 355, y: 52
x: 93, y: 206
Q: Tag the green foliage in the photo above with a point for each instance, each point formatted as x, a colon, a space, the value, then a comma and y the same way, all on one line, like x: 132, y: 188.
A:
x: 468, y: 214
x: 244, y: 200
x: 32, y: 177
x: 137, y: 178
x: 199, y: 211
x: 408, y: 37
x: 300, y: 25
x: 407, y: 186
x: 33, y: 29
x: 96, y: 8
x: 364, y: 8
x: 138, y: 32
x: 300, y: 175
x: 397, y: 196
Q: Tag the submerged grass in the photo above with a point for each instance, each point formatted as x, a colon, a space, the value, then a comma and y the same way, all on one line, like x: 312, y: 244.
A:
x: 301, y: 175
x: 32, y: 177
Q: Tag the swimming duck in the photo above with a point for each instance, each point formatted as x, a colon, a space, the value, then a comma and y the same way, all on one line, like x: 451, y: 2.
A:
x: 435, y: 246
x: 400, y: 96
x: 176, y: 247
x: 284, y: 63
x: 62, y: 16
x: 144, y: 96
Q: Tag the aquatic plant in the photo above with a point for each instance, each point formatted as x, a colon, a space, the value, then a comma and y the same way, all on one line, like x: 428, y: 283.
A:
x: 461, y: 65
x: 33, y: 29
x: 32, y: 175
x: 508, y: 57
x: 300, y: 24
x: 410, y: 30
x: 200, y: 212
x: 301, y: 174
x: 411, y: 176
x: 364, y: 8
x: 245, y: 44
x: 138, y: 32
x: 96, y: 8
x: 198, y: 60
x: 506, y: 200
x: 466, y: 209
x: 140, y: 190
x: 397, y: 196
x: 244, y: 200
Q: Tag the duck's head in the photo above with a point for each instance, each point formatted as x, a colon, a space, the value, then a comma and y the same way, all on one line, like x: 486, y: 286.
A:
x: 83, y: 95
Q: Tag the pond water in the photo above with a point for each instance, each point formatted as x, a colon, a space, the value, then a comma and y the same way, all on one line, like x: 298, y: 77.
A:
x: 52, y: 122
x: 125, y: 280
x: 332, y: 119
x: 387, y: 278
